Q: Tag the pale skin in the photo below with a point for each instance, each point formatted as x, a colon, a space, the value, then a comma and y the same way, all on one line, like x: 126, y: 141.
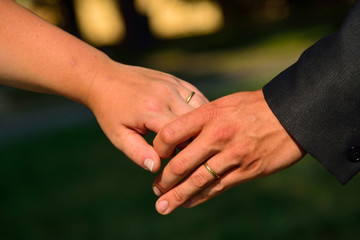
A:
x: 237, y: 135
x: 127, y: 101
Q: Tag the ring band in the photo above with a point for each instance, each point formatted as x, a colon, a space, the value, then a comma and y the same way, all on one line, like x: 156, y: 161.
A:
x: 190, y: 97
x: 211, y: 171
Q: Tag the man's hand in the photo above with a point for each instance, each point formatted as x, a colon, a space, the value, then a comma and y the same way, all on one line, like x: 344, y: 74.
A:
x: 237, y: 136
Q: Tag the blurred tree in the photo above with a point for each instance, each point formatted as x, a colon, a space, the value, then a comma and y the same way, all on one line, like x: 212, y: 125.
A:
x: 64, y: 8
x: 236, y: 12
x: 70, y: 23
x: 247, y: 13
x: 138, y: 33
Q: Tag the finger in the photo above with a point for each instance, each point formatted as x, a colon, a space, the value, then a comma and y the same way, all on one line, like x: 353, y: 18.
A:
x: 194, y: 184
x: 159, y: 119
x: 181, y: 165
x: 176, y: 132
x: 228, y: 180
x: 179, y: 106
x: 183, y: 145
x: 179, y: 194
x: 194, y: 89
x: 194, y: 100
x: 138, y: 150
x: 187, y: 101
x: 225, y: 182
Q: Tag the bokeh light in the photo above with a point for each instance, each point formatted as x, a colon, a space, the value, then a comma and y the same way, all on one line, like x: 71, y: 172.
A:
x: 100, y: 21
x: 177, y: 18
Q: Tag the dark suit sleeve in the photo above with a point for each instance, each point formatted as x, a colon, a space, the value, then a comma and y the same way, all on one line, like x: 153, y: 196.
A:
x: 317, y: 99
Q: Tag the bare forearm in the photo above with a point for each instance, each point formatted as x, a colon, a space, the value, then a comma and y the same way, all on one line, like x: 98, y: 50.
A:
x: 37, y: 56
x: 126, y: 100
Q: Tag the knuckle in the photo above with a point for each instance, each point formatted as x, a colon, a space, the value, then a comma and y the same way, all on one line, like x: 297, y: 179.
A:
x: 197, y: 101
x: 242, y: 150
x: 165, y: 89
x: 173, y: 79
x: 198, y: 180
x: 209, y: 114
x: 238, y: 152
x: 153, y: 105
x: 162, y: 187
x: 167, y: 76
x: 219, y: 188
x: 178, y: 166
x: 225, y: 134
x: 177, y: 195
x: 258, y: 168
x: 167, y: 135
x: 204, y: 195
x: 255, y: 168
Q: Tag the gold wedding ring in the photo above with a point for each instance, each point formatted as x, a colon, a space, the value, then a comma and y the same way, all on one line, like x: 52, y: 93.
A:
x: 190, y: 97
x: 211, y: 171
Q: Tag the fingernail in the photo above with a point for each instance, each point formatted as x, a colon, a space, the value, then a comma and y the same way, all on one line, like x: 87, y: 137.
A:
x: 162, y: 206
x: 156, y: 191
x: 149, y: 164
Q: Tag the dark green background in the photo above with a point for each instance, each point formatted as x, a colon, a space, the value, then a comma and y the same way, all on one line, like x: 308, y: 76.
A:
x: 69, y: 182
x: 74, y: 184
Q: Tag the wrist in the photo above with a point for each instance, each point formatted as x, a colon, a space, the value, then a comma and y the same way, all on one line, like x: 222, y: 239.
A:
x: 101, y: 82
x: 85, y: 78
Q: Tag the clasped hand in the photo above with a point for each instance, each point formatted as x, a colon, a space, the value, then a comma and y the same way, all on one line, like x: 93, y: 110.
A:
x: 128, y: 101
x: 237, y: 136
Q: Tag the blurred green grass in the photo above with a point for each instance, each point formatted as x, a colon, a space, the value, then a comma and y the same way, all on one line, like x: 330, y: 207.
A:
x: 73, y: 184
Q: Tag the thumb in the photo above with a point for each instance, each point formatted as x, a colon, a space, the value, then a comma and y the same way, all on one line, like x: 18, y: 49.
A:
x: 138, y: 150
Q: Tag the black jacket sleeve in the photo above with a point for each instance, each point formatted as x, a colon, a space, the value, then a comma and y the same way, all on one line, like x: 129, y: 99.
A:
x: 317, y: 99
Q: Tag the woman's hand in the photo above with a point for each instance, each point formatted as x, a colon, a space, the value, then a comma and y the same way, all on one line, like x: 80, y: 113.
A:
x: 128, y: 101
x: 237, y: 136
